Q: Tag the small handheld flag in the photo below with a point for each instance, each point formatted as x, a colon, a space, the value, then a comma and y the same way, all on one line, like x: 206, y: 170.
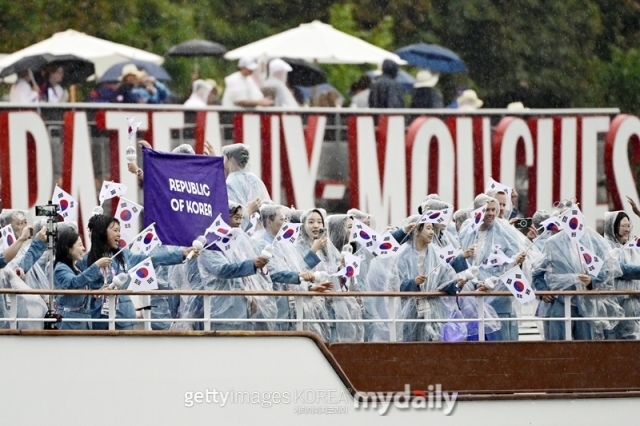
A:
x: 386, y: 246
x: 110, y: 190
x: 127, y: 213
x: 518, y: 285
x: 8, y: 237
x: 477, y: 217
x: 288, y: 233
x: 364, y: 235
x: 143, y: 277
x: 592, y: 262
x: 351, y: 267
x: 573, y: 223
x: 447, y: 254
x: 132, y: 127
x: 68, y: 204
x: 147, y: 240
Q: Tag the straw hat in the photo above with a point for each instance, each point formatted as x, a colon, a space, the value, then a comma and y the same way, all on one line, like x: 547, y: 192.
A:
x: 130, y: 69
x: 469, y: 97
x: 516, y: 106
x: 424, y: 78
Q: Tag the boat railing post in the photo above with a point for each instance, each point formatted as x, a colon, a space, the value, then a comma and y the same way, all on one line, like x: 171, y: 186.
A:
x: 207, y: 312
x: 112, y: 312
x: 13, y: 311
x: 481, y: 319
x: 567, y: 317
x: 298, y: 304
x: 146, y: 313
x: 392, y: 326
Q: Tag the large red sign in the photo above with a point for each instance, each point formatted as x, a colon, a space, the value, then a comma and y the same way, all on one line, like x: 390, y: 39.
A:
x: 393, y: 161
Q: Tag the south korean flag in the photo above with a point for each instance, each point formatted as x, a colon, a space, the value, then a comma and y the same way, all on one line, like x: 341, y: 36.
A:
x: 363, y: 235
x: 229, y: 241
x: 8, y: 237
x: 143, y: 277
x: 496, y: 258
x: 288, y: 233
x: 219, y: 227
x: 572, y: 222
x: 441, y: 217
x: 351, y: 267
x: 111, y: 190
x: 132, y: 128
x: 592, y: 262
x: 386, y: 246
x: 476, y: 219
x: 495, y: 185
x: 633, y: 243
x: 447, y: 254
x: 68, y: 204
x: 127, y: 213
x: 518, y: 285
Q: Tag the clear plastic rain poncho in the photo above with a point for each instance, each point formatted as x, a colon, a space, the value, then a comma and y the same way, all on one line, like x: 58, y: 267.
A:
x: 36, y: 277
x: 164, y: 307
x: 29, y: 305
x: 629, y: 303
x: 258, y: 307
x: 412, y: 263
x: 187, y: 277
x: 316, y: 307
x: 345, y: 307
x: 363, y: 217
x: 242, y: 185
x: 562, y: 264
x: 511, y: 242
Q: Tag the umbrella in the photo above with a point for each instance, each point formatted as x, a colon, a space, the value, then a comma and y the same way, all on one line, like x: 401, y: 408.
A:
x: 197, y: 48
x: 433, y: 57
x: 405, y: 79
x: 304, y: 73
x: 76, y: 70
x: 315, y: 42
x: 101, y: 53
x: 113, y: 73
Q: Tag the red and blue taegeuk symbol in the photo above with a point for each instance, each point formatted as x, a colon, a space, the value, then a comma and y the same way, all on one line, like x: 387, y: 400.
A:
x: 122, y: 243
x: 587, y: 258
x: 148, y: 238
x: 519, y: 286
x: 223, y: 230
x: 450, y: 258
x: 9, y: 239
x: 386, y: 246
x: 364, y: 235
x: 288, y: 233
x: 64, y: 204
x: 126, y: 215
x: 552, y: 227
x: 350, y: 271
x: 574, y: 223
x: 478, y: 217
x: 434, y: 215
x: 142, y: 272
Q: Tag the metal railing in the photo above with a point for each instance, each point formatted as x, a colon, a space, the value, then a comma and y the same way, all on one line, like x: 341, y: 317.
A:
x: 298, y: 297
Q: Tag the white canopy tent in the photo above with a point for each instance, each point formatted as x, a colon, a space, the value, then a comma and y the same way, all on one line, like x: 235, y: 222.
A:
x: 315, y: 41
x: 102, y: 53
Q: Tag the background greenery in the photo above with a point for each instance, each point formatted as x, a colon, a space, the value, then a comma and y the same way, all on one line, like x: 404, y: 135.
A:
x: 545, y: 53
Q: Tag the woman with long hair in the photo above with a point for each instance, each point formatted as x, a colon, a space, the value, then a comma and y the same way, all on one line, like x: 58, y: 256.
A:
x: 67, y: 276
x: 105, y: 238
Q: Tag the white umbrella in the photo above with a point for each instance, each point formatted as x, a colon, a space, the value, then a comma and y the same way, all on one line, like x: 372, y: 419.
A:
x: 315, y: 42
x: 101, y: 52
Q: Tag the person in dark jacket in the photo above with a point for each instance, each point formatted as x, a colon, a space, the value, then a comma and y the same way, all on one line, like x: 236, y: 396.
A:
x: 425, y: 95
x: 385, y: 91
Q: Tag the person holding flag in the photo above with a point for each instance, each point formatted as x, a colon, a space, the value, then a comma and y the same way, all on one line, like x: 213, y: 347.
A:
x: 617, y: 229
x: 345, y: 308
x: 237, y: 268
x: 565, y: 264
x: 490, y: 233
x: 420, y: 270
x: 286, y: 269
x: 105, y: 239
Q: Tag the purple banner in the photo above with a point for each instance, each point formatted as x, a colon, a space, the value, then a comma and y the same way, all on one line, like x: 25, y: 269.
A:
x: 183, y: 194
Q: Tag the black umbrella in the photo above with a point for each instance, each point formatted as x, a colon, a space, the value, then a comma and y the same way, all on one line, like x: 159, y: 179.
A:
x: 304, y: 73
x: 197, y: 48
x: 76, y: 69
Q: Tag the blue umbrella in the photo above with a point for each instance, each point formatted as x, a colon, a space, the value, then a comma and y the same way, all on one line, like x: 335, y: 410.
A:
x: 113, y: 73
x: 433, y: 57
x: 405, y: 79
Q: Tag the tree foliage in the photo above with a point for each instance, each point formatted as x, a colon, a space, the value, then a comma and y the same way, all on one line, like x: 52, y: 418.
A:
x: 545, y: 53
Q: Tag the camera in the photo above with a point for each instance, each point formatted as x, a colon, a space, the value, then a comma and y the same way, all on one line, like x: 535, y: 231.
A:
x: 524, y: 223
x: 49, y: 210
